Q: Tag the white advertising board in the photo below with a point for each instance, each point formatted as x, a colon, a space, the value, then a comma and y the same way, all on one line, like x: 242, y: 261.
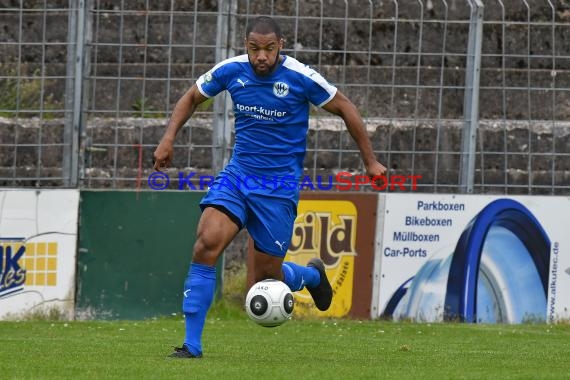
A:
x: 474, y: 258
x: 38, y: 237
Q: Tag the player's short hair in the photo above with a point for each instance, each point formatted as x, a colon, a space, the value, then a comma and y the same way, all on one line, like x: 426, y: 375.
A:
x: 263, y: 25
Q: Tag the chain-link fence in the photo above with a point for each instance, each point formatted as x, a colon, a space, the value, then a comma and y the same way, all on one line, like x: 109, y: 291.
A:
x: 472, y: 95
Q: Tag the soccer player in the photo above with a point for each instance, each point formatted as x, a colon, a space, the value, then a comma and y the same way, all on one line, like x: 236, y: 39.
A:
x: 271, y: 93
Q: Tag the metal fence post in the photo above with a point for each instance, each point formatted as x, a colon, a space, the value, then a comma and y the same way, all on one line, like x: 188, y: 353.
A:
x: 221, y: 130
x: 74, y: 90
x: 471, y: 99
x: 221, y: 133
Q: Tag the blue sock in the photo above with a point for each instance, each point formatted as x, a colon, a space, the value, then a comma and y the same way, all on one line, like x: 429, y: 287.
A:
x: 199, y: 289
x: 297, y: 277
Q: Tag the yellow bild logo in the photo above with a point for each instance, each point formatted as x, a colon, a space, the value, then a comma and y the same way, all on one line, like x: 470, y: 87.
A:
x: 26, y: 264
x: 326, y: 229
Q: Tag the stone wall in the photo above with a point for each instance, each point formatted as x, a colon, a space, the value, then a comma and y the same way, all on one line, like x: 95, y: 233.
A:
x: 146, y: 58
x: 534, y: 156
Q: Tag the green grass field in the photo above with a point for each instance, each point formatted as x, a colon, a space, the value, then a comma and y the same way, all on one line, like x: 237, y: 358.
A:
x: 235, y: 348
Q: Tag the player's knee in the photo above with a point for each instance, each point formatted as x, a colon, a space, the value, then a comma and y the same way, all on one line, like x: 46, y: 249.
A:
x: 206, y: 250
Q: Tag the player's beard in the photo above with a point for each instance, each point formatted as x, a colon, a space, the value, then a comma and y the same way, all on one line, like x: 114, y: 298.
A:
x: 270, y: 68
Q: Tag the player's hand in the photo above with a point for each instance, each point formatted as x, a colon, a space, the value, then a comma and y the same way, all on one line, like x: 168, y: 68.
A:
x: 376, y: 169
x: 163, y: 155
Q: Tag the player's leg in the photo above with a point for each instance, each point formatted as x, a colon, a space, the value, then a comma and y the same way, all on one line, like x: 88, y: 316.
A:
x: 222, y: 217
x: 270, y: 224
x: 215, y: 231
x: 268, y: 265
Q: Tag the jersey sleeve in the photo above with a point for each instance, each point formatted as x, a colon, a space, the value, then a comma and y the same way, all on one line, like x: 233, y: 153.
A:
x: 212, y: 82
x: 319, y: 91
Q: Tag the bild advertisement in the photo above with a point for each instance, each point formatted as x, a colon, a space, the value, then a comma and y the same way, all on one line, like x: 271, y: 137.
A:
x: 470, y: 258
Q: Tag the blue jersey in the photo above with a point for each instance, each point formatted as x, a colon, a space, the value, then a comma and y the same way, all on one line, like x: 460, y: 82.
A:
x: 271, y: 112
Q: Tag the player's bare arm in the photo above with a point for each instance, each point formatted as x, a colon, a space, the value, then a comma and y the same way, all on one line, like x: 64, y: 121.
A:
x: 340, y: 105
x: 183, y: 110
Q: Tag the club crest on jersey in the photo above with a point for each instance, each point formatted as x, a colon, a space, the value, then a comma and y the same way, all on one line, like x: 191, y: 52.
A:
x: 208, y: 77
x: 280, y: 89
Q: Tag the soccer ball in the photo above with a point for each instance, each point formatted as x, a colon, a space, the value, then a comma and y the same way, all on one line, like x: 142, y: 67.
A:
x: 269, y: 303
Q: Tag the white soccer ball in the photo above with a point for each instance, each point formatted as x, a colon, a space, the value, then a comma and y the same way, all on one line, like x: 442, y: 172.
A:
x: 269, y: 303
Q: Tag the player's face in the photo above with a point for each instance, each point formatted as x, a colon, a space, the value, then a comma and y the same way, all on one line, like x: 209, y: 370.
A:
x: 263, y: 52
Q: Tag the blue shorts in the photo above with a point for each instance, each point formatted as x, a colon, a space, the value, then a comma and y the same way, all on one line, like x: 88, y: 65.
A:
x: 267, y: 214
